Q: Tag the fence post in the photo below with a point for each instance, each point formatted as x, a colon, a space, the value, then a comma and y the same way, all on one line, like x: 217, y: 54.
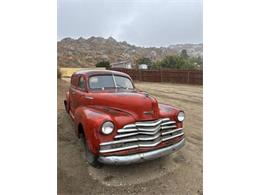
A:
x: 161, y: 78
x: 188, y: 81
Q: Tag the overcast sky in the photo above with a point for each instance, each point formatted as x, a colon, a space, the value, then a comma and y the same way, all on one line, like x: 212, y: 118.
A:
x: 139, y: 22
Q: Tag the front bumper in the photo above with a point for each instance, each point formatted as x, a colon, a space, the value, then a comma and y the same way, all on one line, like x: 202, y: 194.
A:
x: 140, y: 157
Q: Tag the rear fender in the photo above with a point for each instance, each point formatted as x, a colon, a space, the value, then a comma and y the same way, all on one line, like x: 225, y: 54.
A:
x: 67, y: 102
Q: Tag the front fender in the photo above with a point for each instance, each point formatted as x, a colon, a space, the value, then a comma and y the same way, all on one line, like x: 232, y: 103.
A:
x: 168, y: 111
x: 92, y: 120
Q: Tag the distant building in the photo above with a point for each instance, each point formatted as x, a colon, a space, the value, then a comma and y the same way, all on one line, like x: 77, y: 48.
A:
x: 143, y: 66
x: 122, y: 64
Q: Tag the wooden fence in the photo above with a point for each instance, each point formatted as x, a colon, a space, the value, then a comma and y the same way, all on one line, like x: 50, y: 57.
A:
x: 165, y: 75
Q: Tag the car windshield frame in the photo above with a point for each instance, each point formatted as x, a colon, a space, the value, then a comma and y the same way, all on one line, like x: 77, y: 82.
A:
x: 116, y: 86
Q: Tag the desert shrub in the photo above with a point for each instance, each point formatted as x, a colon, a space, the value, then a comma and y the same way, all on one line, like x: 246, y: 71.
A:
x: 58, y: 73
x: 144, y: 61
x: 177, y: 62
x: 105, y: 64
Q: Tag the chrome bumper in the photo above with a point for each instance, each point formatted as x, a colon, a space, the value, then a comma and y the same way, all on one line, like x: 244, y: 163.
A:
x: 140, y: 157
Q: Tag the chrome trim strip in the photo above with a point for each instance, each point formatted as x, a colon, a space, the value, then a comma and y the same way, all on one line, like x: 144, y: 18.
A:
x: 118, y: 142
x: 133, y: 127
x: 126, y: 130
x: 134, y: 146
x: 149, y: 133
x: 118, y: 149
x: 130, y: 140
x: 89, y: 97
x: 149, y: 138
x: 169, y: 123
x: 151, y: 123
x: 140, y: 157
x: 150, y: 130
x: 167, y: 138
x: 130, y: 126
x: 136, y: 132
x: 140, y: 132
x: 147, y: 123
x: 126, y: 135
x: 168, y: 127
x: 171, y: 131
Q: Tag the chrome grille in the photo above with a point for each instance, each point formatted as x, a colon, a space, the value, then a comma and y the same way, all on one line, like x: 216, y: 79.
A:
x: 142, y: 134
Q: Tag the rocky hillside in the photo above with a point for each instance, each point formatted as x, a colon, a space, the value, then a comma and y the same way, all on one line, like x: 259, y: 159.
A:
x: 87, y: 52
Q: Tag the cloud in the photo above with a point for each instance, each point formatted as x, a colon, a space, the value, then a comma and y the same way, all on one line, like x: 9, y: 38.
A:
x: 141, y: 22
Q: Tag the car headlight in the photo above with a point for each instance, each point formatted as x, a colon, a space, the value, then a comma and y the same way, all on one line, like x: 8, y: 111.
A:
x: 181, y: 116
x: 107, y: 127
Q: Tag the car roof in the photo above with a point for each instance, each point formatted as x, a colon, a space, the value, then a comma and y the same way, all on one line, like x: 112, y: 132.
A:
x: 99, y: 72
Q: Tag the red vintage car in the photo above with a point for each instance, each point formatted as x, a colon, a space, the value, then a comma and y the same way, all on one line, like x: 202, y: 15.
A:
x: 119, y: 124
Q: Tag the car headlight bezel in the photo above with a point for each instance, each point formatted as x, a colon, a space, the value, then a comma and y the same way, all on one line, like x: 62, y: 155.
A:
x: 181, y: 116
x: 107, y: 127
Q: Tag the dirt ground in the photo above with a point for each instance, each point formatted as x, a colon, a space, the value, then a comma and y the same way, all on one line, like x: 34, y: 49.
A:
x: 179, y: 173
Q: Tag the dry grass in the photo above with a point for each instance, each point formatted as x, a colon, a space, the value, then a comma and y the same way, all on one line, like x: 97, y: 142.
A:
x: 67, y: 72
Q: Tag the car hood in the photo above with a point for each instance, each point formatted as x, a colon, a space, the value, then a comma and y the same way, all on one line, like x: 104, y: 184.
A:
x: 140, y: 105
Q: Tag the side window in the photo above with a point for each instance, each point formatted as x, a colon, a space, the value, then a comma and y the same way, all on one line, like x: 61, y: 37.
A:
x: 81, y: 83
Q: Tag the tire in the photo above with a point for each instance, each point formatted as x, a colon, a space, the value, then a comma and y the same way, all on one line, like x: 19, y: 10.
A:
x: 66, y: 106
x: 89, y: 156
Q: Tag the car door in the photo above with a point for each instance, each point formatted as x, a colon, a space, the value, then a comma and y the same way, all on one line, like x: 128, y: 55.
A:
x: 81, y: 91
x: 73, y: 93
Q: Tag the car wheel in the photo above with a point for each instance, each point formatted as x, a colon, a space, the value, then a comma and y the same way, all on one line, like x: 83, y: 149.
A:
x: 90, y: 157
x: 66, y: 106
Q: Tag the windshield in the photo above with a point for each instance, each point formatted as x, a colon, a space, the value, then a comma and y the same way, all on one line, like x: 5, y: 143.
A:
x: 107, y: 81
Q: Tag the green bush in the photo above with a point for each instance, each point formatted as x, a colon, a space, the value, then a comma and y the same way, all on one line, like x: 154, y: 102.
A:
x: 105, y: 64
x: 144, y: 61
x: 179, y: 62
